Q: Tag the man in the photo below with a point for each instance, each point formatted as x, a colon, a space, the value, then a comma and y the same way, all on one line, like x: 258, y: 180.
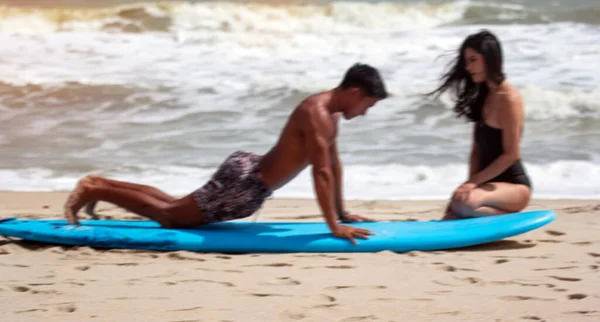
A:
x: 244, y: 180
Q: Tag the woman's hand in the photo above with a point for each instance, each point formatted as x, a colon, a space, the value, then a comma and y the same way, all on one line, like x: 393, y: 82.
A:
x: 461, y: 194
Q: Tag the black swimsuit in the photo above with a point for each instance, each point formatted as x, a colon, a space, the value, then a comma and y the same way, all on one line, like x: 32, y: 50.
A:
x: 489, y: 145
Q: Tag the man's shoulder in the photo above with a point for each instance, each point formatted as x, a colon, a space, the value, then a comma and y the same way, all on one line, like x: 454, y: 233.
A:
x: 310, y: 108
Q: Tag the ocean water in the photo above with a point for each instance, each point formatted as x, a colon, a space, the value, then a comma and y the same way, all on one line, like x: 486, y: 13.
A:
x: 161, y: 92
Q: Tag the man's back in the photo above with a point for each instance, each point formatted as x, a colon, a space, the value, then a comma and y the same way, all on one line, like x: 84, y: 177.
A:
x: 290, y: 155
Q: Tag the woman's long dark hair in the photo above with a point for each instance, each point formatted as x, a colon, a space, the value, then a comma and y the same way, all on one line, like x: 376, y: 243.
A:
x: 471, y: 96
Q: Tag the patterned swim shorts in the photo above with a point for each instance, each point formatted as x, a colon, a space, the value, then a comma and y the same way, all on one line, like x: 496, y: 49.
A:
x: 235, y: 191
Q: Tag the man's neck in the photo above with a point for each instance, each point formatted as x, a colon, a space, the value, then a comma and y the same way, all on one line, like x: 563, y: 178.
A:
x: 333, y: 105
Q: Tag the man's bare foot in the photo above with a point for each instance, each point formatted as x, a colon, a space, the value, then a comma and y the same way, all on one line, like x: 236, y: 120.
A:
x: 76, y: 200
x: 89, y: 209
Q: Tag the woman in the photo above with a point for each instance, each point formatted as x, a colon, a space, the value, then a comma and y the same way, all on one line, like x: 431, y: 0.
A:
x: 498, y: 182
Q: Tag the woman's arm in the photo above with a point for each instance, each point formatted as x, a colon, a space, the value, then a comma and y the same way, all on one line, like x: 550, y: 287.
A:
x: 474, y: 159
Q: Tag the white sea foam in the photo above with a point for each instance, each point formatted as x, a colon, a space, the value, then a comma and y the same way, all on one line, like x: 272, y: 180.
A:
x: 183, y: 83
x: 561, y: 179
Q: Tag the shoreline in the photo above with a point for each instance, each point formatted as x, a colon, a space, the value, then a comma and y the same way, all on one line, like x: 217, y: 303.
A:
x: 50, y: 203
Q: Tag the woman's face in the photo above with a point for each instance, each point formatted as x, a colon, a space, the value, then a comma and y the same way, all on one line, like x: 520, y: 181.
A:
x: 475, y: 65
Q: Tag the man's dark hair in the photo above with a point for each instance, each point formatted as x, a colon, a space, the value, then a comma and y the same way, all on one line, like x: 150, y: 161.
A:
x: 367, y: 78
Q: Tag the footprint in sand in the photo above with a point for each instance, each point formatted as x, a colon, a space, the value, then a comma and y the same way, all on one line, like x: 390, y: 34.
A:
x: 384, y: 299
x: 577, y: 296
x: 414, y: 254
x: 442, y: 283
x: 187, y: 309
x: 421, y: 300
x: 554, y: 268
x: 46, y: 292
x: 184, y: 256
x: 532, y: 317
x: 524, y: 298
x: 68, y: 308
x: 555, y: 233
x: 581, y: 243
x: 469, y: 269
x: 501, y: 261
x: 286, y: 281
x: 40, y: 284
x: 343, y: 287
x: 360, y: 318
x: 448, y: 268
x: 442, y: 292
x: 20, y: 289
x: 270, y: 265
x: 585, y: 312
x: 340, y: 267
x: 76, y: 283
x: 267, y: 295
x: 324, y: 301
x: 326, y: 298
x: 470, y: 280
x: 292, y: 315
x: 515, y: 282
x: 4, y: 252
x: 21, y: 265
x: 82, y: 268
x: 125, y: 264
x: 566, y: 279
x: 594, y: 254
x: 448, y: 313
x: 551, y: 241
x: 30, y: 311
x: 227, y: 284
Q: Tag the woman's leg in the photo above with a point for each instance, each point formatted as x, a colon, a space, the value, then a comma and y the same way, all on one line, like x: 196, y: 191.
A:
x: 490, y: 199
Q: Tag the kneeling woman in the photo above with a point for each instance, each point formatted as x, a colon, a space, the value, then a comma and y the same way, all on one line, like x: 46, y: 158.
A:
x: 498, y: 182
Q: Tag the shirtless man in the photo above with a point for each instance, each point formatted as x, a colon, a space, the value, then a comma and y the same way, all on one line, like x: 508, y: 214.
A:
x: 244, y: 180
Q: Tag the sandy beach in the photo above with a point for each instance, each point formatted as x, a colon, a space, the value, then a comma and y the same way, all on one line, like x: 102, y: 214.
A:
x: 550, y: 274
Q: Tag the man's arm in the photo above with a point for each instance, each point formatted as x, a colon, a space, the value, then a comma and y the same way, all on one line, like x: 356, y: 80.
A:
x: 317, y: 129
x: 336, y: 167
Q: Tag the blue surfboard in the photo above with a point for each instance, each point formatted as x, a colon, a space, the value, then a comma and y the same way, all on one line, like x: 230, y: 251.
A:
x: 277, y: 237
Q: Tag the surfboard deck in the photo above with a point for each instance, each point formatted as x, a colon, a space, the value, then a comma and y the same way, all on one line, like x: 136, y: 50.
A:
x: 276, y: 237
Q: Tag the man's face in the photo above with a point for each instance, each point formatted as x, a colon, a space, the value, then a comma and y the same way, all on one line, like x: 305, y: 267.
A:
x: 357, y: 103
